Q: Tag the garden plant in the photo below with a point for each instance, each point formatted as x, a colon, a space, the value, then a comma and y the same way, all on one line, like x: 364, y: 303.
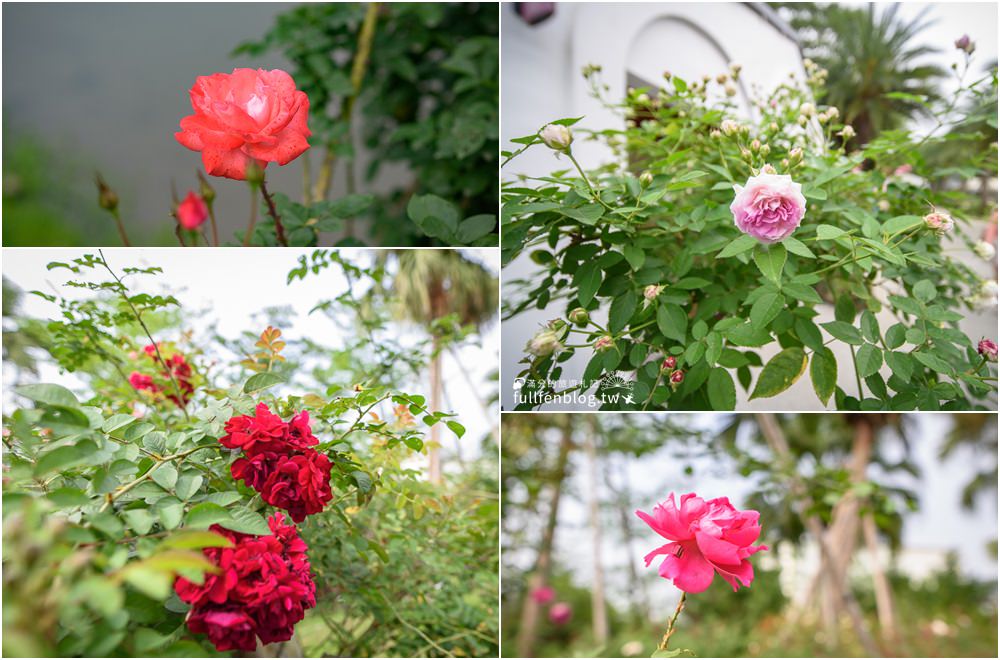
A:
x: 179, y: 492
x: 710, y: 237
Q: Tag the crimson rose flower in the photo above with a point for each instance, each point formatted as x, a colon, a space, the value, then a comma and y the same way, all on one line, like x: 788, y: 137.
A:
x: 174, y: 366
x: 250, y: 115
x: 263, y: 588
x: 192, y: 212
x: 706, y: 537
x: 279, y: 461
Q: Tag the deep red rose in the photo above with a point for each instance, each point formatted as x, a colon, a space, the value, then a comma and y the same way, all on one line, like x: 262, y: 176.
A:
x: 263, y: 588
x: 299, y: 484
x: 142, y: 382
x: 173, y: 367
x: 248, y: 116
x: 261, y: 432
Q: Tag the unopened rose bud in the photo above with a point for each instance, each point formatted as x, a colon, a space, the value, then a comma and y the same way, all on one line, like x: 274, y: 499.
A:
x: 785, y: 163
x: 832, y: 112
x: 192, y: 211
x: 773, y: 126
x: 556, y: 324
x: 963, y: 43
x: 984, y: 250
x: 667, y: 75
x: 822, y: 117
x: 677, y: 377
x: 883, y: 205
x: 669, y: 363
x: 643, y: 99
x: 715, y: 134
x: 604, y: 343
x: 745, y: 153
x: 940, y: 222
x: 652, y: 291
x: 802, y: 120
x: 735, y: 68
x: 729, y: 127
x: 730, y: 89
x: 765, y: 149
x: 807, y: 109
x: 106, y: 197
x: 207, y: 191
x: 556, y: 137
x: 768, y: 169
x: 847, y: 133
x: 544, y: 343
x: 646, y: 178
x: 721, y: 78
x: 755, y: 145
x: 988, y: 349
x: 255, y: 174
x: 795, y: 153
x: 579, y: 316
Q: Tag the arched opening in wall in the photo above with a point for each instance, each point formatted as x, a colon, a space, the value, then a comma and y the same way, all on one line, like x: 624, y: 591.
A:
x: 686, y: 50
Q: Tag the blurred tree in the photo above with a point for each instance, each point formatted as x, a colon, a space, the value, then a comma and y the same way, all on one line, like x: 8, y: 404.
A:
x: 870, y: 54
x: 433, y: 286
x: 19, y: 335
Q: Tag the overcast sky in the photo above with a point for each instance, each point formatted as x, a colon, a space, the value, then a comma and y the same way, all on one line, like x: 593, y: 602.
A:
x: 231, y: 284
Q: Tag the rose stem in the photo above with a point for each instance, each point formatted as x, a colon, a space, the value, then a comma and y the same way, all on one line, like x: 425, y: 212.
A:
x: 121, y: 227
x: 215, y: 230
x: 271, y: 211
x: 672, y: 622
x: 253, y: 215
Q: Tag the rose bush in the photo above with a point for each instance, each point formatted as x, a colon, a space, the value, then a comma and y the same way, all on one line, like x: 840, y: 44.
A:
x: 144, y: 510
x: 698, y: 273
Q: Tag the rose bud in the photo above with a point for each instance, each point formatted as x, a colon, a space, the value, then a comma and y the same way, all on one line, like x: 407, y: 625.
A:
x: 106, y: 197
x: 988, y: 349
x: 669, y: 362
x: 579, y: 316
x: 544, y: 343
x: 730, y: 127
x: 730, y: 89
x: 604, y: 343
x: 941, y: 223
x: 721, y: 78
x: 677, y: 377
x: 768, y: 169
x: 963, y: 43
x: 652, y: 291
x: 984, y: 250
x: 795, y: 154
x: 556, y: 137
x: 207, y: 191
x: 560, y: 613
x: 646, y: 178
x: 755, y: 145
x: 192, y: 211
x: 848, y: 132
x: 715, y: 134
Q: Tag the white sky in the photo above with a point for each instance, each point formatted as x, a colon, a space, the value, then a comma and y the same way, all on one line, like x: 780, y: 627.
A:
x: 232, y: 284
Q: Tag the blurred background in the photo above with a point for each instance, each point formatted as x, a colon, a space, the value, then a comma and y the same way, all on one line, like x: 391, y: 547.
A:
x: 103, y: 86
x: 905, y: 504
x: 890, y: 47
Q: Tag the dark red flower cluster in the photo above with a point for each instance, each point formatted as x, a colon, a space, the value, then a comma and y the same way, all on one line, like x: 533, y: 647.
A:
x: 279, y: 461
x: 174, y: 365
x: 262, y: 589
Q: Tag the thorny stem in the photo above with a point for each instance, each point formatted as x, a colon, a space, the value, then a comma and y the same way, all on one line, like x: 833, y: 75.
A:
x: 273, y: 212
x: 138, y: 317
x: 253, y: 215
x: 149, y: 473
x: 672, y: 623
x: 215, y: 230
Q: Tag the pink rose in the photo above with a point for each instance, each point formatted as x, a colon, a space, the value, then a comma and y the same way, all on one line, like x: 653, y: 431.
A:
x: 543, y: 595
x: 560, y: 613
x: 988, y: 349
x: 769, y: 208
x: 192, y: 211
x: 250, y: 115
x: 706, y: 537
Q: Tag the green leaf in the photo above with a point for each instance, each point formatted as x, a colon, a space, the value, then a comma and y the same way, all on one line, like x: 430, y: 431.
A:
x: 62, y: 458
x: 455, y: 427
x: 206, y: 514
x: 48, y: 394
x: 828, y: 232
x: 261, y: 381
x: 634, y: 255
x: 869, y: 359
x: 895, y: 336
x: 246, y: 521
x: 770, y: 261
x: 116, y: 422
x: 767, y: 307
x: 363, y: 480
x: 672, y: 321
x: 588, y: 284
x: 901, y: 364
x: 192, y: 539
x: 901, y: 223
x: 808, y: 333
x: 713, y: 347
x: 780, y: 373
x: 188, y: 485
x: 869, y: 327
x: 721, y: 389
x: 844, y: 332
x: 165, y: 476
x: 68, y: 497
x: 737, y: 246
x: 795, y: 246
x: 588, y: 215
x: 823, y: 373
x: 925, y: 291
x: 434, y: 216
x: 933, y: 362
x: 140, y: 520
x: 475, y: 227
x: 844, y: 309
x: 621, y: 311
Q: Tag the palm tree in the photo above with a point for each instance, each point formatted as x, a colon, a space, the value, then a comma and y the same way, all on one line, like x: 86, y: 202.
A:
x: 870, y: 57
x: 431, y: 285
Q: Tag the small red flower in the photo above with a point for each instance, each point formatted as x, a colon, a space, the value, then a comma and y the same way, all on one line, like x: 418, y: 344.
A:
x: 173, y: 368
x: 669, y: 362
x: 192, y: 212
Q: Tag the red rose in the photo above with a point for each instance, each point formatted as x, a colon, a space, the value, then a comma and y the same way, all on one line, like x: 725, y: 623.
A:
x: 263, y: 588
x: 175, y: 368
x: 250, y: 115
x: 299, y: 484
x: 263, y: 431
x: 192, y: 211
x: 142, y: 382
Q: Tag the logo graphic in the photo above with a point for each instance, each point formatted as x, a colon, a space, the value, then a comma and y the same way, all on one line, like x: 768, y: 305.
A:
x: 613, y: 387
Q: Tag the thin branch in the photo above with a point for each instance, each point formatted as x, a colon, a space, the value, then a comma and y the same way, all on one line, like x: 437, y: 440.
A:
x: 279, y: 229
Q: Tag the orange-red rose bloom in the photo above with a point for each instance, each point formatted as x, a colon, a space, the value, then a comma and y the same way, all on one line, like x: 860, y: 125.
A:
x: 250, y: 115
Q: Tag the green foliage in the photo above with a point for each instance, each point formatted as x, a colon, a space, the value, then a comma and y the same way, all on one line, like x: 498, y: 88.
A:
x: 661, y: 229
x: 109, y: 493
x: 426, y: 97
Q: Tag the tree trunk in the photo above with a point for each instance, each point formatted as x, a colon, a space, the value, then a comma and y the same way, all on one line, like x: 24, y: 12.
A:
x: 434, y: 448
x: 880, y: 583
x: 638, y: 594
x: 530, y: 609
x: 600, y: 615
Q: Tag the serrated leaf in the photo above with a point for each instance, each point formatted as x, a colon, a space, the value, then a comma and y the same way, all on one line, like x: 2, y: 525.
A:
x: 780, y: 373
x: 869, y: 359
x: 844, y: 332
x: 770, y: 261
x: 165, y: 476
x: 206, y: 514
x: 795, y: 246
x: 246, y: 521
x: 721, y: 389
x: 192, y: 539
x: 621, y: 311
x: 48, y: 394
x: 767, y: 307
x: 823, y: 373
x: 261, y: 381
x: 672, y: 321
x: 739, y: 245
